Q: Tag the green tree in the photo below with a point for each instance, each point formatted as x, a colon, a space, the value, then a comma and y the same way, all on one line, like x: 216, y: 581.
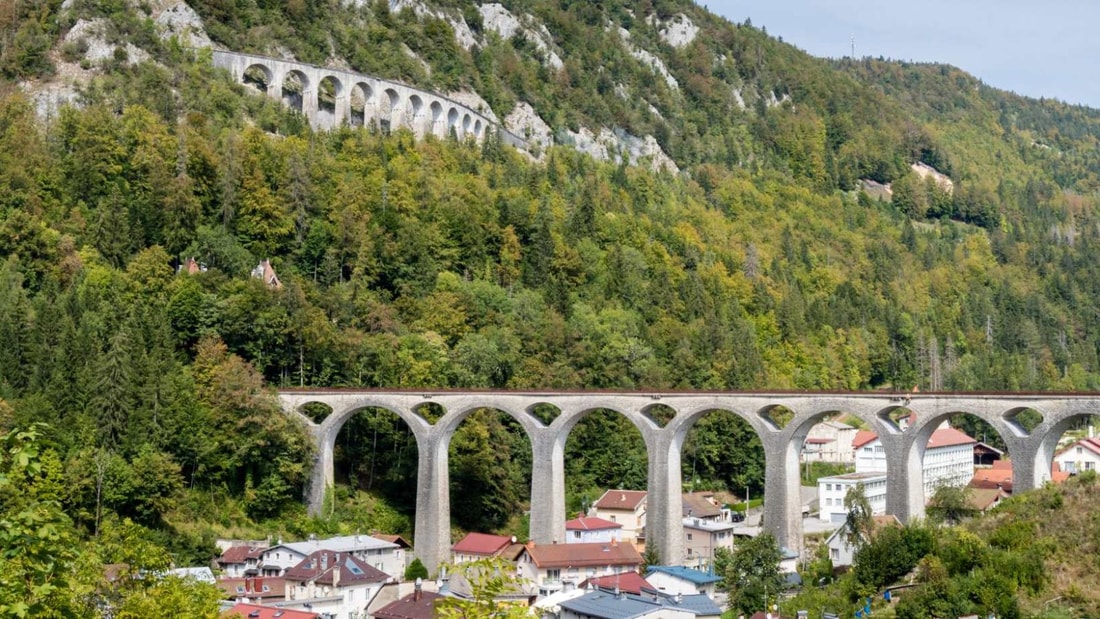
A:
x: 950, y: 505
x: 859, y: 523
x: 416, y: 570
x: 487, y: 581
x: 750, y: 573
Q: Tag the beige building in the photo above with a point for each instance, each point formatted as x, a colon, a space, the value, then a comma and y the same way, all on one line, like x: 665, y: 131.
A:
x: 625, y: 508
x: 830, y: 441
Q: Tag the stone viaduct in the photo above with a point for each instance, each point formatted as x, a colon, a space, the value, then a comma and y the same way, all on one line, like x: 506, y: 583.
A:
x: 330, y: 98
x: 1031, y: 452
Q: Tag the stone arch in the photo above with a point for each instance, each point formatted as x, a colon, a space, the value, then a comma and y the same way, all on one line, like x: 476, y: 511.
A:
x: 1045, y: 438
x: 544, y: 412
x: 467, y: 123
x: 436, y: 118
x: 390, y: 104
x: 294, y: 89
x: 329, y: 91
x: 477, y: 130
x: 362, y: 104
x: 334, y: 422
x: 916, y: 443
x: 259, y: 76
x: 455, y: 416
x: 452, y: 122
x: 414, y: 114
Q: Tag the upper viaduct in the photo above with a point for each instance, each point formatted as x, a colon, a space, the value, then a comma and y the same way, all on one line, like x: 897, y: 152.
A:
x: 330, y: 98
x: 1031, y: 452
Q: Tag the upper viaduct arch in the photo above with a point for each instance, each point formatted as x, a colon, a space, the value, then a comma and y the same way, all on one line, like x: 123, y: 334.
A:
x: 1032, y: 452
x: 325, y: 96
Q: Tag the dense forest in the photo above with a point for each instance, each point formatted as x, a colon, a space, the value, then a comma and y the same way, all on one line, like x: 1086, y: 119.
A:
x: 143, y: 391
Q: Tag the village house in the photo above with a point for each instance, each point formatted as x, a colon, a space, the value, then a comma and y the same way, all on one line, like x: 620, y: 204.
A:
x: 1084, y: 455
x: 704, y: 506
x: 702, y: 538
x: 241, y: 561
x: 253, y: 589
x: 265, y: 272
x: 476, y: 546
x: 377, y: 553
x: 675, y: 579
x: 833, y: 489
x: 339, y: 584
x: 591, y: 530
x: 623, y: 507
x: 842, y: 550
x: 551, y: 566
x: 829, y: 441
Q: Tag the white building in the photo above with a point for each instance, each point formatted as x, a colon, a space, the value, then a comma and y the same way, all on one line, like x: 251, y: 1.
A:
x: 948, y: 457
x: 832, y: 490
x: 589, y: 529
x: 830, y: 441
x: 379, y: 554
x: 1084, y: 455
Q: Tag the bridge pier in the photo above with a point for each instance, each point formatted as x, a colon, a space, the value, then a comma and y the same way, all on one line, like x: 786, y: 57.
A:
x: 664, y: 507
x: 322, y: 476
x: 782, y: 491
x: 432, y: 529
x: 547, y: 521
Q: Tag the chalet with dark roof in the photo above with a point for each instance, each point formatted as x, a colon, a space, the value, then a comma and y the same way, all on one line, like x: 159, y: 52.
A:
x: 335, y: 582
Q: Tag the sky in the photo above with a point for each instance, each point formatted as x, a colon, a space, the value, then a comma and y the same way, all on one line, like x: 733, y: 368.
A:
x: 1037, y: 48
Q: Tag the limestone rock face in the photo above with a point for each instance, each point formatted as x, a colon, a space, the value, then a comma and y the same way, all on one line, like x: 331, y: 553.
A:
x: 501, y: 21
x: 527, y: 124
x: 182, y: 21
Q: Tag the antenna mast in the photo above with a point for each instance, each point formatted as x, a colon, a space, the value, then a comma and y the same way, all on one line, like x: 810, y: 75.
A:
x: 853, y: 43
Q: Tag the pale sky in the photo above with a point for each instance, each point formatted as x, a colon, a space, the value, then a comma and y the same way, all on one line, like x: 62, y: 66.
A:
x: 1047, y: 48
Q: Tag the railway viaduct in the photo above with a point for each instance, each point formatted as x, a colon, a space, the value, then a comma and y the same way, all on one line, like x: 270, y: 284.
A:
x: 1032, y: 452
x: 330, y: 98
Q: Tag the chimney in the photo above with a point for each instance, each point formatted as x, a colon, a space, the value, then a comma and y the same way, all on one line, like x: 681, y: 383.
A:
x: 324, y: 561
x: 417, y: 588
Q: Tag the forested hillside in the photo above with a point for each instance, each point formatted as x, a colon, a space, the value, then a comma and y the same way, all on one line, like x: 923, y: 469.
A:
x: 437, y: 263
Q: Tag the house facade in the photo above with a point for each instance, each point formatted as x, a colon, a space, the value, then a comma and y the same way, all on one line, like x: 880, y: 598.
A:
x: 340, y: 584
x: 592, y: 530
x: 842, y: 549
x: 830, y: 441
x: 241, y: 561
x: 702, y: 538
x: 626, y: 508
x: 551, y: 567
x: 1084, y: 455
x: 832, y: 490
x: 673, y: 579
x: 377, y: 553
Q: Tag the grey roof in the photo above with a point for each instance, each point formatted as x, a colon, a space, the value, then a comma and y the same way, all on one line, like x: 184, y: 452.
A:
x: 346, y: 543
x: 606, y: 605
x: 707, y: 525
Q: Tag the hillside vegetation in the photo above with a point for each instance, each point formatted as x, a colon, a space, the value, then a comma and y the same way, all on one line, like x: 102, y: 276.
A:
x: 437, y: 263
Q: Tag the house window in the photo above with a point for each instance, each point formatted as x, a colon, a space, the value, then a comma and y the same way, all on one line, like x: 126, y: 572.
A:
x: 689, y: 537
x: 689, y: 551
x: 553, y: 575
x: 613, y: 518
x: 576, y: 534
x: 1090, y: 466
x: 834, y: 554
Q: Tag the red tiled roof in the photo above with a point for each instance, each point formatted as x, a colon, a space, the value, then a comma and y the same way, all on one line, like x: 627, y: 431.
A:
x: 590, y: 523
x: 267, y: 612
x: 410, y: 607
x: 582, y: 555
x: 992, y: 478
x: 949, y: 437
x: 621, y: 499
x: 944, y: 437
x: 818, y: 441
x: 322, y: 567
x: 237, y: 554
x: 481, y: 544
x: 1091, y: 444
x: 629, y: 582
x: 253, y: 587
x: 863, y: 437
